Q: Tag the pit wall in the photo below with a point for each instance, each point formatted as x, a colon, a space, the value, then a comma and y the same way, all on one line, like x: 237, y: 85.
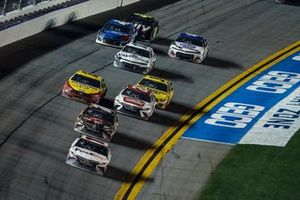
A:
x: 56, y: 18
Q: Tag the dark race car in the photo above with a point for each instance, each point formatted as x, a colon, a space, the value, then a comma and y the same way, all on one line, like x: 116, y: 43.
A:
x: 146, y: 26
x: 97, y: 121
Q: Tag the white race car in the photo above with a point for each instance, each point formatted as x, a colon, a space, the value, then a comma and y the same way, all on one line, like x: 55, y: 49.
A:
x: 136, y: 57
x: 190, y: 47
x: 90, y: 154
x: 135, y: 102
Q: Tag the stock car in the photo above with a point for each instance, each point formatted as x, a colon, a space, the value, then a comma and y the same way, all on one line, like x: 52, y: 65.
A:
x: 135, y: 57
x: 190, y: 47
x: 116, y: 33
x: 162, y: 89
x: 97, y: 121
x: 135, y: 102
x: 146, y: 26
x: 85, y: 87
x: 90, y: 154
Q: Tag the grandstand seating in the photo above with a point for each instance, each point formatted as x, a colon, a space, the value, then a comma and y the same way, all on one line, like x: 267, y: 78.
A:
x: 7, y: 6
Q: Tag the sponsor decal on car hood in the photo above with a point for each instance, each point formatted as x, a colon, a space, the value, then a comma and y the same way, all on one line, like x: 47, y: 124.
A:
x: 114, y: 35
x: 134, y: 58
x: 96, y: 120
x: 189, y: 47
x: 133, y: 101
x: 90, y: 155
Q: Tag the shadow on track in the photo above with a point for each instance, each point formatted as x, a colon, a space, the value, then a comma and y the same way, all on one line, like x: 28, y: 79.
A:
x: 108, y: 103
x: 121, y: 175
x: 131, y: 142
x: 180, y: 108
x: 220, y: 63
x: 163, y: 41
x: 170, y: 75
x: 165, y: 120
x: 15, y: 55
x: 290, y: 2
x: 160, y: 52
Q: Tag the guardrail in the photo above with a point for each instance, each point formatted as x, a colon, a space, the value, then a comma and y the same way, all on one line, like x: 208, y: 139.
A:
x: 56, y: 17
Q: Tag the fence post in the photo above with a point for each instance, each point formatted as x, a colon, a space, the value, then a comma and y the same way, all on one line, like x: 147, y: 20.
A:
x: 20, y: 3
x: 4, y: 8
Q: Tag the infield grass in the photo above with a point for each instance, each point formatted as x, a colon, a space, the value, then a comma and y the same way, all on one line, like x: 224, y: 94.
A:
x: 257, y: 172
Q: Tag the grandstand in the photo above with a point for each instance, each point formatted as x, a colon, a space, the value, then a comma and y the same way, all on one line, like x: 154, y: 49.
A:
x: 14, y: 12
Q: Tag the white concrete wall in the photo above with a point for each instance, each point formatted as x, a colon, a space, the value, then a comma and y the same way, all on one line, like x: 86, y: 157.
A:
x: 58, y: 18
x: 29, y: 9
x: 127, y: 2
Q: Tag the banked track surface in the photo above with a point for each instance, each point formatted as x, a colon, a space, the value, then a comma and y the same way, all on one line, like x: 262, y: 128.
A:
x: 36, y: 122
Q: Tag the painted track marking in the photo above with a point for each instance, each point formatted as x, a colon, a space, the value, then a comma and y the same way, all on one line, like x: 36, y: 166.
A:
x: 152, y: 157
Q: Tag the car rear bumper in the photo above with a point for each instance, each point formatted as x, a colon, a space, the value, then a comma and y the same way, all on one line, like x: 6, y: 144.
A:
x: 194, y: 57
x: 130, y: 66
x: 111, y: 43
x: 75, y: 163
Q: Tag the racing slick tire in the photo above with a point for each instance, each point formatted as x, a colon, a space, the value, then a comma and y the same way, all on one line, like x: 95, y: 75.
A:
x: 100, y: 170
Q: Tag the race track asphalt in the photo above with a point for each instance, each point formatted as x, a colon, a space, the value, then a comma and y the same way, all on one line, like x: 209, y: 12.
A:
x: 37, y: 123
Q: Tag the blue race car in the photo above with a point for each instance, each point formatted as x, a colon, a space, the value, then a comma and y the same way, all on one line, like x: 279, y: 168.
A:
x: 116, y: 33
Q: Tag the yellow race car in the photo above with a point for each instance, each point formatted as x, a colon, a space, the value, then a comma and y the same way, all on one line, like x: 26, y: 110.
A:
x: 85, y: 87
x: 162, y: 89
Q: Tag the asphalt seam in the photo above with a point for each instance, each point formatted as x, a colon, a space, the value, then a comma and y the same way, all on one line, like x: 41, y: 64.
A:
x: 27, y: 118
x: 194, y: 113
x: 38, y: 109
x: 83, y: 56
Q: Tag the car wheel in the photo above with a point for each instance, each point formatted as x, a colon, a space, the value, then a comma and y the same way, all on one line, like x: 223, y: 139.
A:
x: 198, y: 61
x: 100, y: 170
x: 146, y: 71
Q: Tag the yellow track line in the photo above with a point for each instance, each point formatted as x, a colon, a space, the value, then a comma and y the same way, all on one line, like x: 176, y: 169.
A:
x: 152, y: 157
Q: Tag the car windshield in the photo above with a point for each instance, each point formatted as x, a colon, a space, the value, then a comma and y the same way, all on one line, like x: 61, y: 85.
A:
x: 137, y: 51
x: 86, y: 144
x: 98, y: 113
x: 86, y: 80
x: 137, y: 95
x: 140, y: 20
x: 189, y: 40
x: 117, y: 27
x: 154, y: 85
